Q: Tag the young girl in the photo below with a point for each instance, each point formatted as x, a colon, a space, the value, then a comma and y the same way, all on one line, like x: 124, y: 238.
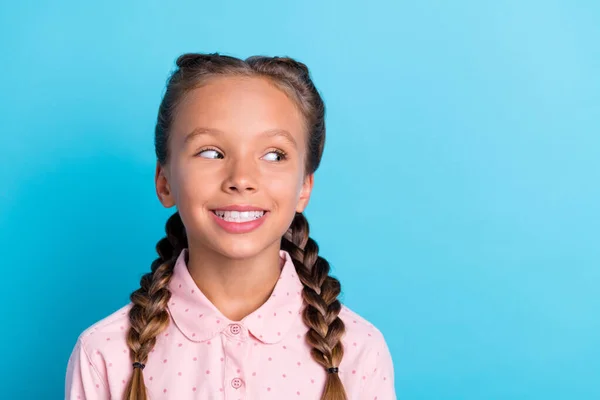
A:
x: 239, y: 303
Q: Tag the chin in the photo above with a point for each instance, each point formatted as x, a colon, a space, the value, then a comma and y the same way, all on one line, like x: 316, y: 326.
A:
x: 238, y: 248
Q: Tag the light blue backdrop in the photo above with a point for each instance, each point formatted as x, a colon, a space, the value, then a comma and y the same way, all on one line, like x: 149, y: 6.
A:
x: 458, y: 198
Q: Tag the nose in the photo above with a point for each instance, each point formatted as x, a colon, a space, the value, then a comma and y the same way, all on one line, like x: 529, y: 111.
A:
x: 242, y: 176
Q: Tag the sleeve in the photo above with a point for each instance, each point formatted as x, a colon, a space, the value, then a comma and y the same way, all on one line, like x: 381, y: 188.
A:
x: 379, y: 372
x: 83, y: 381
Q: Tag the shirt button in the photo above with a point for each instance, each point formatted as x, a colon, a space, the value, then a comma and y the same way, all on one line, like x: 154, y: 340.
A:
x: 235, y: 329
x: 236, y: 383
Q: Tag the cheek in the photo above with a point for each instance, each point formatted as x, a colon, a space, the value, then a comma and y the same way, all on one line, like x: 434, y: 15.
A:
x: 194, y: 184
x: 286, y: 190
x: 283, y: 183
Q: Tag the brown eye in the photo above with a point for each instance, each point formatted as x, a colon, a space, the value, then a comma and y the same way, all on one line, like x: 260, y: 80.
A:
x: 278, y: 153
x: 209, y: 151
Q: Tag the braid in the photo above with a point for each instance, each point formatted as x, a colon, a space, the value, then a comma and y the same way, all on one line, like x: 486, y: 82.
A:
x: 322, y: 306
x: 148, y: 316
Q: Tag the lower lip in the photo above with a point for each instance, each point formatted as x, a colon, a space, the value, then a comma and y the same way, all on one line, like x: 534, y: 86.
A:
x: 239, y: 227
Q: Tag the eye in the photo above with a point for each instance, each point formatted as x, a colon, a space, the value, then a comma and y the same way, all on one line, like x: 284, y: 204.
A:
x: 209, y: 150
x: 278, y: 153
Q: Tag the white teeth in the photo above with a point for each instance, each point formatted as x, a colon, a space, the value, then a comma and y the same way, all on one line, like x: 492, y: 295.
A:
x: 237, y: 216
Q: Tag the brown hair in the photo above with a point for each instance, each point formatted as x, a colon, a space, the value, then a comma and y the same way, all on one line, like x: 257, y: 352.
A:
x: 148, y: 315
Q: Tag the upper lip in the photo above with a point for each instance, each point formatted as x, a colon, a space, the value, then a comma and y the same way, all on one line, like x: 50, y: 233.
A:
x: 239, y: 207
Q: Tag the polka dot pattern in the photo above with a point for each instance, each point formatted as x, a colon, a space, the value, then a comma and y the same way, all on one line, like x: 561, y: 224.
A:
x: 202, y: 354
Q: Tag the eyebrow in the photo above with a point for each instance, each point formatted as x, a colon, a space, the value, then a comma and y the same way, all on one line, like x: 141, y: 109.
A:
x: 215, y: 132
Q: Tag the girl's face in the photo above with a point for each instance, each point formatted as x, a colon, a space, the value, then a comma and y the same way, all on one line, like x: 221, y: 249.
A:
x: 236, y: 141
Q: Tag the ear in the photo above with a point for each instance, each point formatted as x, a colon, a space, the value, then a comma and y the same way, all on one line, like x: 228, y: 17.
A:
x: 163, y: 189
x: 307, y: 187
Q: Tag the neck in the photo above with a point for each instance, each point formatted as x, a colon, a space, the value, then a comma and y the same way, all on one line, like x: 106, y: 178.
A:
x: 236, y: 287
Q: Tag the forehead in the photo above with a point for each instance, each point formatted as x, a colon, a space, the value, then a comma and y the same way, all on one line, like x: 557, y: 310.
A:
x: 239, y: 106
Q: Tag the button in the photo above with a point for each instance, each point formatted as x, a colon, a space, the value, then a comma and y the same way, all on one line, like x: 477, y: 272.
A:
x: 235, y: 329
x: 236, y: 383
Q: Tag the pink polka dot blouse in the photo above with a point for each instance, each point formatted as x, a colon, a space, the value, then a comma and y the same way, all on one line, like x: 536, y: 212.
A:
x: 204, y: 355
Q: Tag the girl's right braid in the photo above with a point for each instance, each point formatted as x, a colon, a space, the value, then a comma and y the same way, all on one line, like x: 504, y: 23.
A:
x: 322, y: 306
x: 148, y: 316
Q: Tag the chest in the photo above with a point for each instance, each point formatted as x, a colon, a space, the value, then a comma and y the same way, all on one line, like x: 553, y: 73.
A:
x: 226, y: 368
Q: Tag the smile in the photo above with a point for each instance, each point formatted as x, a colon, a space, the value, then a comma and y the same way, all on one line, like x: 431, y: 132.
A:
x: 239, y: 216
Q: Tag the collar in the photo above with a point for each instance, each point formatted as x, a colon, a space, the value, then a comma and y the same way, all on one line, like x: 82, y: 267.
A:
x: 199, y: 320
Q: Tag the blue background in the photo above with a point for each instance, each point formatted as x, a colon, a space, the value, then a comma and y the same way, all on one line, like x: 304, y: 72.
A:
x: 458, y: 200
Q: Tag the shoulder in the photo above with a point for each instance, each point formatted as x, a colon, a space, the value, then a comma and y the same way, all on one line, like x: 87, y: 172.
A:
x: 111, y: 323
x: 359, y: 327
x: 367, y: 355
x: 364, y: 343
x: 107, y: 331
x: 98, y: 346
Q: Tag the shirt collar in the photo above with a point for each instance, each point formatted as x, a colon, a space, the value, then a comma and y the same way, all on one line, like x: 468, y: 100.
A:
x: 199, y: 320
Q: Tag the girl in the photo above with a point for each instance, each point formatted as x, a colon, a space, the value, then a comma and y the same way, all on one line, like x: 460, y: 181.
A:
x: 239, y: 304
